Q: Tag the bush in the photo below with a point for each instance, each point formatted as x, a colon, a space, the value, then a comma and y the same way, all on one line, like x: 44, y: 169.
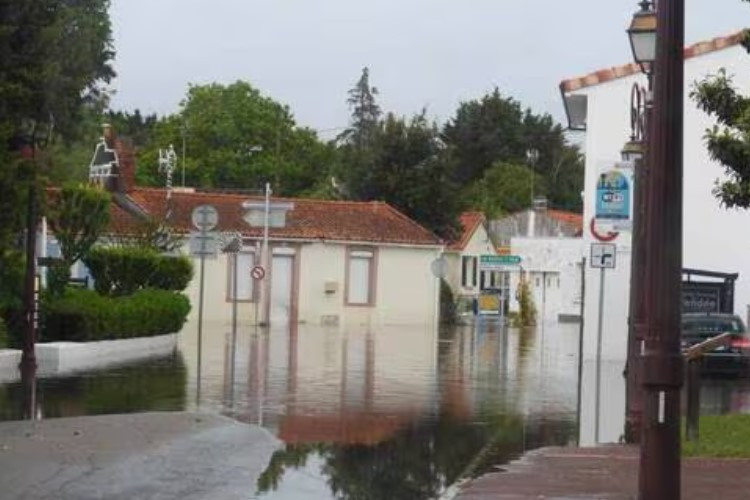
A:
x: 84, y: 315
x: 448, y: 313
x: 125, y: 270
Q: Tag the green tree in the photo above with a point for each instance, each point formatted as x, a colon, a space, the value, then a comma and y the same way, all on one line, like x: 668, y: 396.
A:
x: 54, y: 57
x: 237, y: 138
x: 496, y: 129
x: 728, y: 141
x: 504, y: 188
x: 78, y: 216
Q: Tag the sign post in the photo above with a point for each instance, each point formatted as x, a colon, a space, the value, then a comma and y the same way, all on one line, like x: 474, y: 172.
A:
x: 603, y: 257
x: 202, y: 244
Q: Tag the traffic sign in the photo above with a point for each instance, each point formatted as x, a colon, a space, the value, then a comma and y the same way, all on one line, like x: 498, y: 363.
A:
x: 603, y: 256
x: 439, y: 267
x: 204, y: 244
x: 498, y: 262
x: 258, y: 273
x: 205, y: 217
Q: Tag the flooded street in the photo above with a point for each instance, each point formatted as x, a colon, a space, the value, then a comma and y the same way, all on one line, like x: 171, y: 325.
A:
x: 397, y: 413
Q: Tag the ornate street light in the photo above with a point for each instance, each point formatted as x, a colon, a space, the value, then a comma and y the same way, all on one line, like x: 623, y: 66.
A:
x: 642, y: 34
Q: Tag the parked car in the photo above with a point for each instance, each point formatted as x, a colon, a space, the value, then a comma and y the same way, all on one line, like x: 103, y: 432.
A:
x: 731, y: 358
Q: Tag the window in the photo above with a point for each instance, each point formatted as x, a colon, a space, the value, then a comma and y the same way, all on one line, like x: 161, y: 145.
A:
x: 469, y: 271
x: 245, y: 288
x: 360, y: 289
x: 482, y: 280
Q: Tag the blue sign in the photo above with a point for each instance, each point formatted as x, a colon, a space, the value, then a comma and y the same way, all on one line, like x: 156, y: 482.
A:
x: 613, y: 196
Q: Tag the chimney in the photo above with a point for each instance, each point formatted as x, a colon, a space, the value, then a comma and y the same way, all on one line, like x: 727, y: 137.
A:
x: 125, y: 166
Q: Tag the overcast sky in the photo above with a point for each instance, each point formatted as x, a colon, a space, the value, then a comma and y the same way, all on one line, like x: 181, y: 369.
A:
x: 421, y: 53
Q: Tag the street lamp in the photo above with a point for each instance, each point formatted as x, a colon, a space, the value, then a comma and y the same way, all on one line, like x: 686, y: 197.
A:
x: 642, y: 34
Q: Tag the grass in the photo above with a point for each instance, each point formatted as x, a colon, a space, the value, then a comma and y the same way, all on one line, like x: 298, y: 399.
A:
x: 721, y: 436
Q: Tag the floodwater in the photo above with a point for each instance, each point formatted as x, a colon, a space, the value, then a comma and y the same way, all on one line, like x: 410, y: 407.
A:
x: 393, y: 413
x: 397, y: 413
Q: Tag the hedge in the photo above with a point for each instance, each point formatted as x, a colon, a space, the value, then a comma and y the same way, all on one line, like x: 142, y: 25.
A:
x: 123, y: 271
x: 83, y: 315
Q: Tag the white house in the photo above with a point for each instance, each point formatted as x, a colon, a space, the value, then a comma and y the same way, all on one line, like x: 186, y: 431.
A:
x: 331, y: 263
x: 550, y: 246
x: 714, y: 238
x: 463, y: 273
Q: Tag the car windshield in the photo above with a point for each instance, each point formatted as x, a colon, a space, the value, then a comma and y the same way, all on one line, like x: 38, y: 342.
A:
x: 711, y: 326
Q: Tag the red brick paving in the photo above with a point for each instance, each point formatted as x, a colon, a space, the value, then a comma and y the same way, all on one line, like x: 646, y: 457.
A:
x: 607, y: 473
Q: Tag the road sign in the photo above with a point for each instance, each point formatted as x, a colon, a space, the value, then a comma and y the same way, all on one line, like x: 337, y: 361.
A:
x: 613, y: 196
x: 205, y: 217
x: 603, y: 255
x: 439, y: 267
x: 258, y: 273
x: 498, y: 262
x: 204, y: 244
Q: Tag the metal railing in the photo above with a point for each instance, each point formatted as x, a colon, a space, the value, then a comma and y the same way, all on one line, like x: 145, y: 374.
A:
x: 693, y: 361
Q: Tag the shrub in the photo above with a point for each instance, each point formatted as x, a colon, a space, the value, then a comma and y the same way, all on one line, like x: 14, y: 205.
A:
x: 125, y: 270
x: 448, y: 312
x: 527, y: 314
x: 84, y: 315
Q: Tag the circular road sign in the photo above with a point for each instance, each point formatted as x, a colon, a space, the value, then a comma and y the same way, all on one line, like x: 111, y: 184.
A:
x: 205, y: 217
x: 258, y: 273
x: 439, y: 267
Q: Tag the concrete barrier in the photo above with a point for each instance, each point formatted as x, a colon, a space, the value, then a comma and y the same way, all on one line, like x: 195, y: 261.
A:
x: 60, y: 358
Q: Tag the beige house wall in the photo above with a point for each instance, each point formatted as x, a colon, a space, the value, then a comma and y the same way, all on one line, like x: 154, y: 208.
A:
x: 406, y: 292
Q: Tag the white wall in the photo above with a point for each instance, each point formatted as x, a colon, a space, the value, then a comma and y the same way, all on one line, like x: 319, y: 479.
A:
x: 556, y: 261
x: 714, y: 238
x: 479, y: 244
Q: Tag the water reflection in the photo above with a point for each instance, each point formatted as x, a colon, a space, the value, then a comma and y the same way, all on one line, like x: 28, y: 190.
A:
x: 153, y: 385
x: 399, y: 413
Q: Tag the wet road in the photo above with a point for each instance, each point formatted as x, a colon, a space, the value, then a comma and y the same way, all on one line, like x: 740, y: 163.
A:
x: 395, y: 413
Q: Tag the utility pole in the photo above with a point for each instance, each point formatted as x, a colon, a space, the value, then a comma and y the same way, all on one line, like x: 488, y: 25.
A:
x: 662, y: 369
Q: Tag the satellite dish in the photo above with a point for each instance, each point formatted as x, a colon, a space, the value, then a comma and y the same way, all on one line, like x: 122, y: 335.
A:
x: 439, y: 267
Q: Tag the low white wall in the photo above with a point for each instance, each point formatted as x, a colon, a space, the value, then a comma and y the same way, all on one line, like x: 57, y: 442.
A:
x: 60, y: 358
x: 9, y: 359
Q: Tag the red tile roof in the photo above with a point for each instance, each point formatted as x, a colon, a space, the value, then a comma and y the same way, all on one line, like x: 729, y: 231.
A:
x: 569, y: 218
x: 609, y: 74
x: 371, y: 222
x: 470, y: 222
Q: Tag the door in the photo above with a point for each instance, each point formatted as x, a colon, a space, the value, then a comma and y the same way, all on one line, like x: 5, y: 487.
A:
x: 281, y: 289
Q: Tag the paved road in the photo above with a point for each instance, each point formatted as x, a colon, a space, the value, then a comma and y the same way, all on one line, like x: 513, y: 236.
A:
x: 608, y: 473
x: 126, y: 457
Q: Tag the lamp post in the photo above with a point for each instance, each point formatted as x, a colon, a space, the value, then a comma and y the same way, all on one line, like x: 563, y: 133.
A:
x: 662, y: 366
x: 642, y: 35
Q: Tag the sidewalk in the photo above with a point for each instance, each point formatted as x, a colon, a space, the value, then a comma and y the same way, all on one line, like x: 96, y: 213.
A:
x: 179, y: 456
x: 607, y: 473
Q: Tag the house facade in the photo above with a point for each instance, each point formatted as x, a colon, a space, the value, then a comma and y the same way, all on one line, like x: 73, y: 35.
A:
x: 550, y: 246
x: 463, y: 257
x: 328, y: 262
x: 714, y: 238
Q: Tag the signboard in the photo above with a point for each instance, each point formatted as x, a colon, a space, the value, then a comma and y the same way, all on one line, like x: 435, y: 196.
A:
x: 701, y: 300
x: 603, y: 255
x: 613, y: 196
x: 205, y: 217
x: 489, y: 303
x: 258, y: 273
x: 439, y: 267
x: 498, y: 262
x: 204, y: 244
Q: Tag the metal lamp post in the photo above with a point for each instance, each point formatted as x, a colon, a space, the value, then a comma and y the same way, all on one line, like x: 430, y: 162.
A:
x: 662, y: 365
x: 642, y: 35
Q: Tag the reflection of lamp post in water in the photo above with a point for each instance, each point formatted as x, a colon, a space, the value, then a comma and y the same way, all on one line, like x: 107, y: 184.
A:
x: 231, y: 244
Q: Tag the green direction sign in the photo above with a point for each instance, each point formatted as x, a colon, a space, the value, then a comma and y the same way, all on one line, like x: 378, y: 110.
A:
x: 499, y: 261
